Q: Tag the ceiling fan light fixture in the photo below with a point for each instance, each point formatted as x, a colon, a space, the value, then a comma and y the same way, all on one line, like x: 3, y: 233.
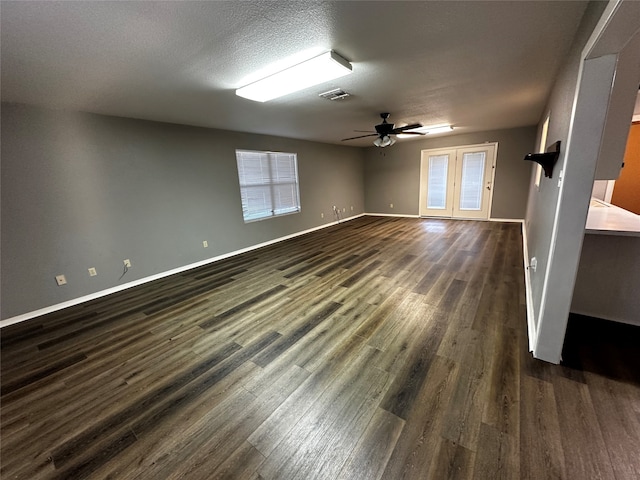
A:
x: 384, y: 141
x: 308, y: 73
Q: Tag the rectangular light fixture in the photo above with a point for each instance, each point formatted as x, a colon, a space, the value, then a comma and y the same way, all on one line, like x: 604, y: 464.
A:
x: 311, y: 72
x: 428, y: 130
x: 439, y: 129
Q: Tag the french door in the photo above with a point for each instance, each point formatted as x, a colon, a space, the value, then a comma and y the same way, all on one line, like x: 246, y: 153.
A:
x: 457, y: 182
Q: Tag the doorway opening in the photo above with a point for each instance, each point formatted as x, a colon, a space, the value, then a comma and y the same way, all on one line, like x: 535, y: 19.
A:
x: 457, y: 182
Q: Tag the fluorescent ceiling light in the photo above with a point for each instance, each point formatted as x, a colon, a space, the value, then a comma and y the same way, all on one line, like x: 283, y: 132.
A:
x: 311, y: 72
x: 439, y: 129
x: 428, y: 130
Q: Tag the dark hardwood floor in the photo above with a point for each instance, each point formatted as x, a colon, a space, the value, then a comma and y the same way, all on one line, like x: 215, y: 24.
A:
x: 378, y: 348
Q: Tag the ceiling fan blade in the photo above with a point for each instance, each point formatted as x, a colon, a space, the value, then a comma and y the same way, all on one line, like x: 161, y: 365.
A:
x: 408, y: 133
x: 361, y: 136
x: 385, y: 129
x: 407, y: 127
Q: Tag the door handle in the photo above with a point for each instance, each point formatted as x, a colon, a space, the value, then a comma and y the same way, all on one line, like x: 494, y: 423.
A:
x: 488, y: 186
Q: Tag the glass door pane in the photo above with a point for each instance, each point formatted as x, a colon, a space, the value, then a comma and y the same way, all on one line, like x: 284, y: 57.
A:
x: 437, y: 181
x: 472, y: 180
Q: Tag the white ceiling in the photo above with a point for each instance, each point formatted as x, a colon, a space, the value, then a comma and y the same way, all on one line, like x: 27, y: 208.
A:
x: 476, y: 65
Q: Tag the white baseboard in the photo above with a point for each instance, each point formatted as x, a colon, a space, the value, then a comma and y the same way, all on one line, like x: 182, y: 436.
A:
x: 102, y: 293
x: 399, y: 215
x: 507, y: 220
x: 608, y: 318
x: 76, y: 301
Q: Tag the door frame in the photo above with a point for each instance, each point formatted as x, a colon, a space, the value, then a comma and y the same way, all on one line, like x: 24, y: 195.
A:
x: 492, y: 175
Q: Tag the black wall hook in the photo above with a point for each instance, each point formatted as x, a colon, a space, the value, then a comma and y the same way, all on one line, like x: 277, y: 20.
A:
x: 548, y: 159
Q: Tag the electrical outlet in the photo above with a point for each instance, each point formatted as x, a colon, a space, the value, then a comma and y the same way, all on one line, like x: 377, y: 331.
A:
x: 344, y: 209
x: 391, y: 205
x: 92, y: 272
x: 205, y: 244
x: 352, y: 208
x: 61, y: 280
x: 127, y: 263
x: 322, y: 215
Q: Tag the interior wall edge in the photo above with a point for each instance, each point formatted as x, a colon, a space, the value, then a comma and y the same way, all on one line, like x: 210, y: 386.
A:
x: 531, y: 320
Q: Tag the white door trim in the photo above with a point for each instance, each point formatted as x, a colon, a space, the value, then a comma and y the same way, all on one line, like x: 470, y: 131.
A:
x: 454, y: 174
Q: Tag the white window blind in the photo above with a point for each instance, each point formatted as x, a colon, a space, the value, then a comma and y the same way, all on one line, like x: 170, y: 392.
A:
x: 437, y: 184
x: 268, y: 184
x: 471, y: 183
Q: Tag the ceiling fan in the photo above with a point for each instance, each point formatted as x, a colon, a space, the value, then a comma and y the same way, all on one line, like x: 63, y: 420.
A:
x: 384, y: 131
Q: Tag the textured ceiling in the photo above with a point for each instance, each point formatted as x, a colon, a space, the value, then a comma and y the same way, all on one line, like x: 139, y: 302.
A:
x: 476, y: 65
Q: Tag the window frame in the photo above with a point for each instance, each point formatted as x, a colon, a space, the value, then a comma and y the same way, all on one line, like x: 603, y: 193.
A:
x: 271, y: 181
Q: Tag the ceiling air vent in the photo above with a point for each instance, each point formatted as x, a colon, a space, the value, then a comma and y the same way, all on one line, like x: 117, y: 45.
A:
x: 335, y: 94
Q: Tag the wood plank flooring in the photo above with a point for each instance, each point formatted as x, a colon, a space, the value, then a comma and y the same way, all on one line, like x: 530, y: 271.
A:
x: 380, y: 348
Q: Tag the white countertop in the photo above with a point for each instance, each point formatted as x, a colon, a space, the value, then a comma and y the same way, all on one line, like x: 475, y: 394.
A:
x: 607, y: 219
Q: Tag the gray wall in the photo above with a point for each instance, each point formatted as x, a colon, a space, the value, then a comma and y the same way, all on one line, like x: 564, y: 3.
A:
x: 392, y: 175
x: 542, y: 202
x: 82, y: 190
